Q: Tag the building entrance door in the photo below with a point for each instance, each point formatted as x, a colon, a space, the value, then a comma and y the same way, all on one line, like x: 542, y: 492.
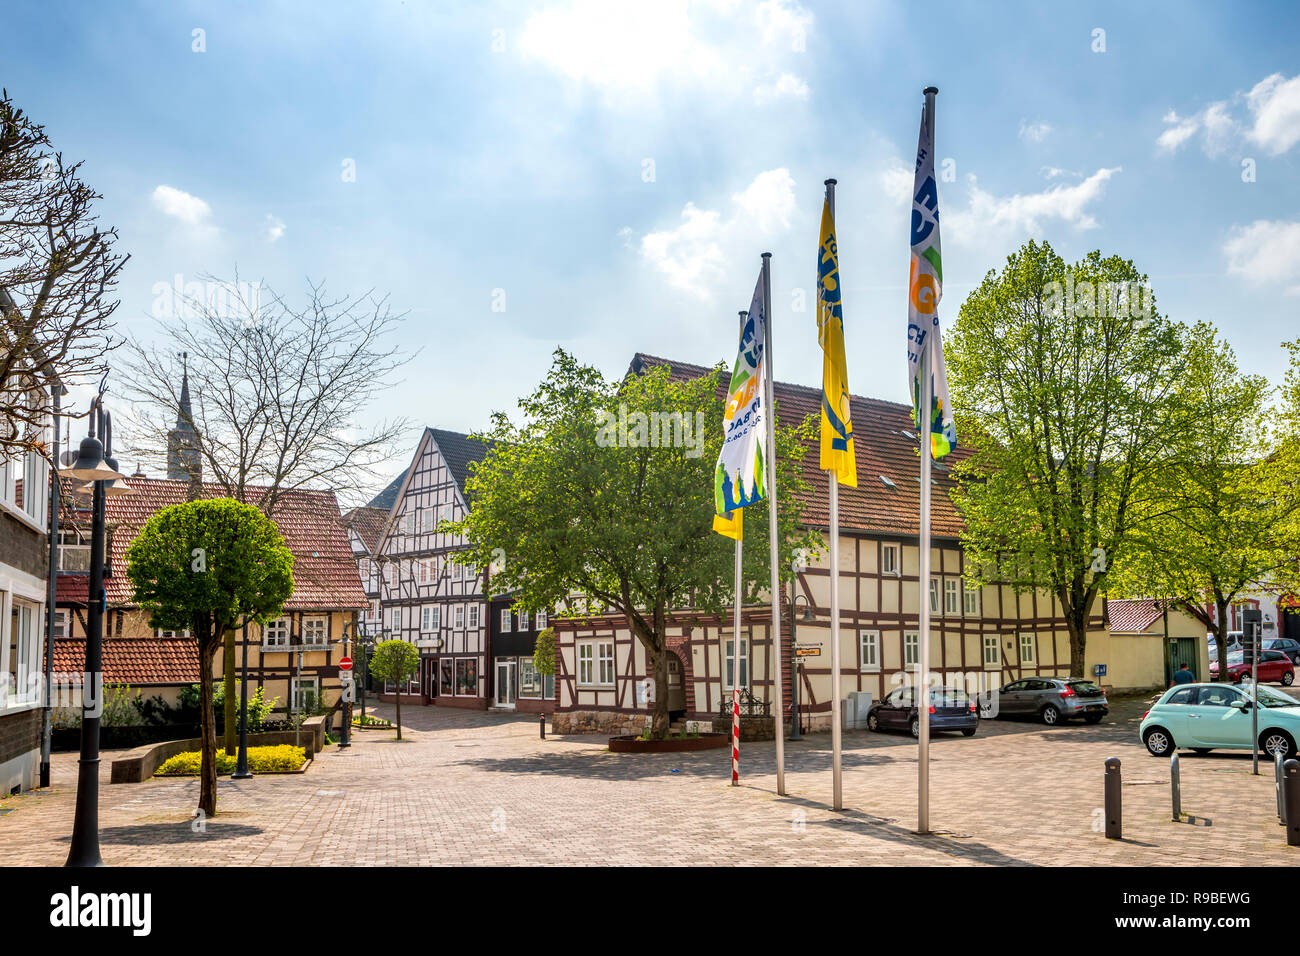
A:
x: 507, y: 689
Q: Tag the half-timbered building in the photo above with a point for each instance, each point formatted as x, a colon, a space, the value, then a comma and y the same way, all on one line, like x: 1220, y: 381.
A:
x: 427, y: 598
x: 365, y: 528
x: 980, y: 636
x: 294, y: 658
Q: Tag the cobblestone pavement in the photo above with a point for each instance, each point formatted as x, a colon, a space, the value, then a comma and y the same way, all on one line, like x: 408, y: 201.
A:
x: 481, y: 788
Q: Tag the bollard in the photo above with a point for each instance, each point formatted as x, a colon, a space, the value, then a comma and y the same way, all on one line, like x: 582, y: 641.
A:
x: 1277, y: 786
x: 541, y: 724
x: 1291, y: 800
x: 1114, y: 803
x: 1175, y: 784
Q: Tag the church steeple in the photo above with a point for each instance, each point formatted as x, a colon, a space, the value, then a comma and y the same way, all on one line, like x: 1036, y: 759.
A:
x: 184, y: 463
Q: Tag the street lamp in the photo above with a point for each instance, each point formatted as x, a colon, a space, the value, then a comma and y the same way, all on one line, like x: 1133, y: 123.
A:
x: 93, y: 465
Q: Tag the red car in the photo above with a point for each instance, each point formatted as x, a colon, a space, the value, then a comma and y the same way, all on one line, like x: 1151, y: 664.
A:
x: 1273, y: 666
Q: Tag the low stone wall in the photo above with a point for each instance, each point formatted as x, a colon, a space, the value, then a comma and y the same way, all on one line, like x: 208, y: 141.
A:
x: 139, y: 764
x: 751, y: 728
x: 607, y: 722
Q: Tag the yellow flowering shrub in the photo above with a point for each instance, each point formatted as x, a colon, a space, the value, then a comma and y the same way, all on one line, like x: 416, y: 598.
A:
x: 281, y: 759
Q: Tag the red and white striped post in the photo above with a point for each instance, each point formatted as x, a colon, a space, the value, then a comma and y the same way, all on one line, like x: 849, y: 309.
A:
x: 735, y: 674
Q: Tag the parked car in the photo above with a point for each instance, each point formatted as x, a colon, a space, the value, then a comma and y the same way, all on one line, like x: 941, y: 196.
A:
x: 1288, y: 646
x: 1207, y: 717
x: 950, y: 709
x: 1053, y: 699
x: 1273, y: 666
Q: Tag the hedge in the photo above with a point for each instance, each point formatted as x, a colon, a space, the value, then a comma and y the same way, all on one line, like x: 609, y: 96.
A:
x: 282, y: 759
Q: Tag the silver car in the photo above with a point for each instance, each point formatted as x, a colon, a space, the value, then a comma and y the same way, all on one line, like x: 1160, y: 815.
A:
x: 1051, y: 700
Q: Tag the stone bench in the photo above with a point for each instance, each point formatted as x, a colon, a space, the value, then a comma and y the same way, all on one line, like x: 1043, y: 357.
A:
x: 140, y: 764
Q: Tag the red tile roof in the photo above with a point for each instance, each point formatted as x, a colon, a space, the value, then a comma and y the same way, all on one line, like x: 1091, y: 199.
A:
x: 138, y: 661
x: 886, y: 444
x: 324, y: 568
x: 368, y: 523
x: 1133, y: 617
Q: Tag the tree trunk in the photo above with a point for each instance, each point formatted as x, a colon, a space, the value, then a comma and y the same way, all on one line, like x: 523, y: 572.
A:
x: 1078, y: 644
x: 659, y: 661
x: 1220, y: 632
x: 228, y: 682
x: 208, y: 723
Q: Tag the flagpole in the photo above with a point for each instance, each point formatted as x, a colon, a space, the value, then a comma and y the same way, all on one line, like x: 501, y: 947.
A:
x: 923, y: 638
x: 777, y: 696
x: 735, y: 672
x: 837, y: 774
x: 735, y: 642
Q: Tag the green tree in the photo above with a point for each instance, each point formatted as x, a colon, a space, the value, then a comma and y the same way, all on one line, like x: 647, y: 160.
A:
x: 1065, y: 376
x: 398, y: 662
x: 544, y: 652
x: 578, y: 508
x: 202, y: 565
x: 1220, y: 508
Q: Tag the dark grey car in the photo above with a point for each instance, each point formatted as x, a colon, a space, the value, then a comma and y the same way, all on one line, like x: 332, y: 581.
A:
x: 1052, y: 700
x: 1287, y: 645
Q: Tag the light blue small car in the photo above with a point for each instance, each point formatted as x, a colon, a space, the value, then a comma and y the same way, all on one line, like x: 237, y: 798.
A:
x: 1207, y: 717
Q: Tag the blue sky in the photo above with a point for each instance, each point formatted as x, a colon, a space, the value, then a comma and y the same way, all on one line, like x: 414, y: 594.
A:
x: 615, y: 169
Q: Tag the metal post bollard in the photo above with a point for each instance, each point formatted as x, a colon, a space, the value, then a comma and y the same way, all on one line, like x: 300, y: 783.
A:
x: 1176, y: 785
x: 1114, y: 803
x: 1277, y: 786
x: 1291, y: 800
x: 541, y: 724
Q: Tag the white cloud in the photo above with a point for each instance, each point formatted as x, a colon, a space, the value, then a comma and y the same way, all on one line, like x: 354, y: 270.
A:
x: 695, y: 256
x: 179, y: 204
x: 1266, y: 252
x: 1034, y: 132
x: 1026, y: 213
x: 787, y: 85
x: 628, y: 50
x: 898, y: 180
x: 1275, y: 103
x: 1179, y: 129
x: 273, y: 228
x: 1056, y: 172
x: 1274, y: 121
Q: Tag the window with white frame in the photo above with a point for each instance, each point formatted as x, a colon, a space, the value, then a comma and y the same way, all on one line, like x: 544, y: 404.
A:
x: 1026, y: 648
x: 505, y: 620
x: 423, y: 566
x: 473, y: 616
x: 160, y: 632
x: 74, y: 550
x: 306, y: 692
x: 586, y: 663
x: 869, y: 642
x: 971, y: 600
x: 460, y: 617
x: 21, y: 665
x: 523, y: 620
x: 541, y: 620
x: 911, y: 648
x: 62, y: 623
x: 729, y: 662
x: 429, y: 615
x: 314, y: 629
x: 605, y: 662
x: 276, y: 633
x: 934, y: 595
x: 889, y: 559
x: 426, y: 520
x: 951, y: 596
x: 992, y: 652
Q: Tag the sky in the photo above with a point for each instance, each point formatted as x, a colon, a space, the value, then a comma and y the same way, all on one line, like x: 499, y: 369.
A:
x: 603, y: 176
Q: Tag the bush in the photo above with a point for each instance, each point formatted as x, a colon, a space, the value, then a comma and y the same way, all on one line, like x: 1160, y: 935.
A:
x: 121, y: 708
x: 281, y: 759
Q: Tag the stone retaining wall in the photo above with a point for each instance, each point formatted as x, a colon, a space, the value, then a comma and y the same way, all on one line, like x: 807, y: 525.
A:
x: 607, y: 722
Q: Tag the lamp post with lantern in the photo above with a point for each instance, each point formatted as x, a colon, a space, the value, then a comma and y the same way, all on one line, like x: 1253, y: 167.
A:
x: 96, y: 466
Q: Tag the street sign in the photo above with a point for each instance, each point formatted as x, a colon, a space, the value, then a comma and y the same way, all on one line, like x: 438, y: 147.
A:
x: 349, y: 692
x: 345, y: 663
x: 1099, y: 670
x: 807, y: 652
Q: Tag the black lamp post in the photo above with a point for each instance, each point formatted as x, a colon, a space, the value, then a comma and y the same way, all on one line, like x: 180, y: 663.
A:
x: 345, y: 735
x: 94, y: 465
x: 241, y: 768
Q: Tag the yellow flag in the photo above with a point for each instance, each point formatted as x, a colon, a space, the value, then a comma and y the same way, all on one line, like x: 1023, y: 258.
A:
x: 837, y: 449
x: 731, y: 524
